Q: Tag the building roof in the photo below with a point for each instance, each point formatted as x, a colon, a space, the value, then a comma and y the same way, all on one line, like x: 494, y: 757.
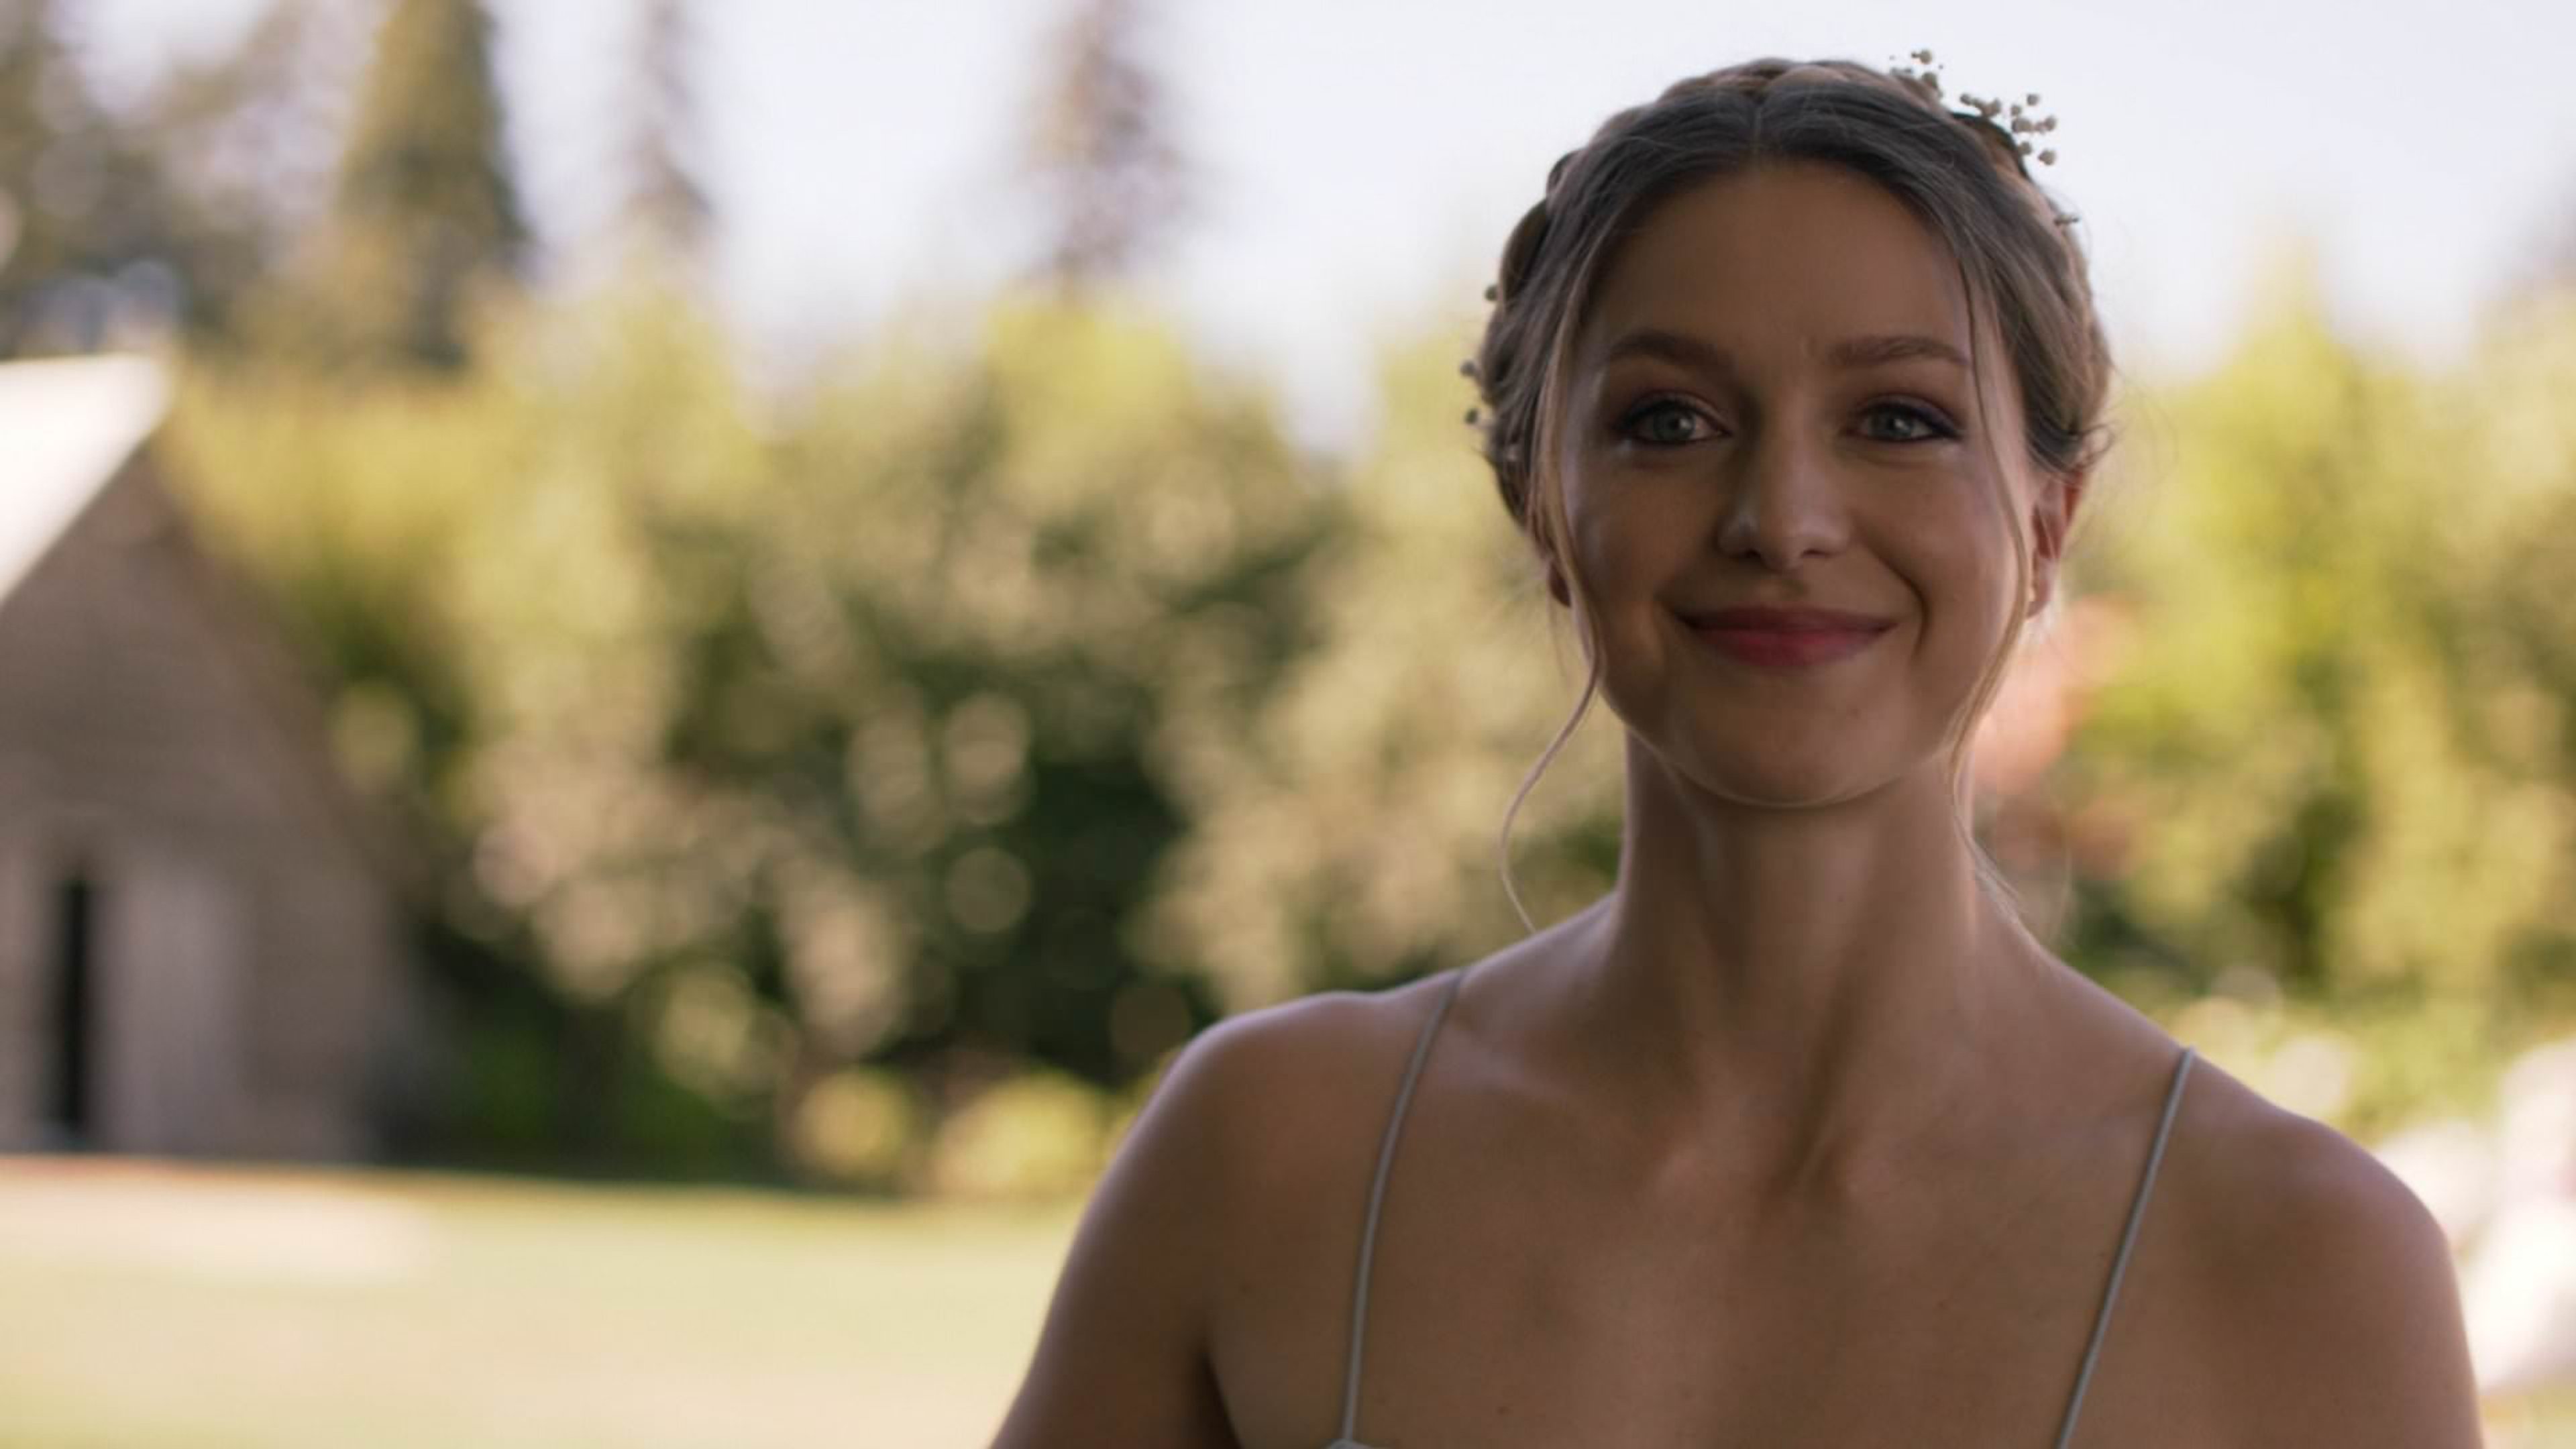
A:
x: 72, y: 427
x: 67, y: 425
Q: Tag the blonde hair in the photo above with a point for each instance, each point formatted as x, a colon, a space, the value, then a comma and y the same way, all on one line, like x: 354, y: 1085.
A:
x: 2018, y: 260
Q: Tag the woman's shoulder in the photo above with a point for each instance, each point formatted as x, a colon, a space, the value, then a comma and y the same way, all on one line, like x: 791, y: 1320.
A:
x: 2320, y: 1281
x: 1208, y: 1203
x: 1327, y: 1028
x: 2267, y: 1181
x: 1295, y: 1087
x: 2242, y: 1167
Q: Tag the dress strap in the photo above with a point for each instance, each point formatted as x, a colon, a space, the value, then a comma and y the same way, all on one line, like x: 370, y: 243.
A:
x: 1377, y: 1195
x: 2128, y: 1240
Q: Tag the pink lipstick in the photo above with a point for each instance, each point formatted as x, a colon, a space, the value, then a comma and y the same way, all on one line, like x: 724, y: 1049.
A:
x: 1787, y: 638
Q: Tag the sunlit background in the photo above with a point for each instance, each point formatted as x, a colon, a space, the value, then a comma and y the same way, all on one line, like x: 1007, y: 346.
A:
x: 652, y: 654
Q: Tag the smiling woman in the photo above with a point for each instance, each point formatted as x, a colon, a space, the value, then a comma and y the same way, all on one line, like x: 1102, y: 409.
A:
x: 1825, y: 383
x: 1797, y: 1136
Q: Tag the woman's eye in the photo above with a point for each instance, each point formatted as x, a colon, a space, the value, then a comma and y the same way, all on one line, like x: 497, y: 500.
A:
x: 1903, y: 424
x: 1665, y: 422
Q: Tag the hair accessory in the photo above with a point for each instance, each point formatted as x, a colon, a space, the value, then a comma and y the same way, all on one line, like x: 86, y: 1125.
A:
x: 1984, y: 110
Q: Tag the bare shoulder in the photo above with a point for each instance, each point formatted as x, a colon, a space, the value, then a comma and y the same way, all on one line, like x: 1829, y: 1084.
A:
x: 1243, y: 1120
x: 2330, y: 1299
x: 1289, y: 1086
x: 1268, y: 1095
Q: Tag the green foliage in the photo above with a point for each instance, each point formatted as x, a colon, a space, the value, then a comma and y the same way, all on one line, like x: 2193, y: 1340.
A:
x: 1036, y: 1136
x: 1350, y: 837
x: 2335, y: 753
x: 843, y: 731
x: 1075, y: 565
x: 859, y: 1127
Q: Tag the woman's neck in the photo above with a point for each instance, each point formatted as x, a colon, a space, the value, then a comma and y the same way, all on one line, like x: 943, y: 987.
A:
x: 1815, y: 989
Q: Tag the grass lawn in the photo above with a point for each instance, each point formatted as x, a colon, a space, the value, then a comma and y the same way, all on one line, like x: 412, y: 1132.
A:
x: 162, y: 1305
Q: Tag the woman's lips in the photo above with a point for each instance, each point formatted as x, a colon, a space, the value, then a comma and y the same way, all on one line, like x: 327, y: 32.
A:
x: 1788, y: 648
x: 1786, y: 618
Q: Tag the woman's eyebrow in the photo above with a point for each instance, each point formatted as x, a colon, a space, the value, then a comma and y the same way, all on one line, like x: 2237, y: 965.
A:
x: 1684, y: 350
x: 1902, y: 347
x: 1679, y: 348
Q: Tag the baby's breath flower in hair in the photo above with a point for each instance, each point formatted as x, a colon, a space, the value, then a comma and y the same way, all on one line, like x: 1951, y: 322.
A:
x: 2015, y: 121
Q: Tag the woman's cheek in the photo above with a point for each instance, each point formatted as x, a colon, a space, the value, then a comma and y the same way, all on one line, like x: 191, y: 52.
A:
x: 1616, y: 555
x: 1982, y: 612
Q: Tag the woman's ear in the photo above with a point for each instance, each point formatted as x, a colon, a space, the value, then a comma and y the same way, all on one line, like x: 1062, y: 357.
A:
x: 2051, y: 518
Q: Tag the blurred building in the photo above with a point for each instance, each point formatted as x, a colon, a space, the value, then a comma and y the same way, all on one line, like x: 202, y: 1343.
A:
x: 200, y: 935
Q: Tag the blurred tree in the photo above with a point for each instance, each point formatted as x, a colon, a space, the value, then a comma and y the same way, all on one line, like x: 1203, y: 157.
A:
x: 424, y: 217
x: 849, y: 737
x: 1349, y: 836
x: 463, y: 559
x: 2333, y: 761
x: 774, y: 739
x: 87, y: 224
x: 666, y: 208
x: 245, y: 137
x: 1028, y: 591
x: 1113, y: 182
x: 2502, y: 615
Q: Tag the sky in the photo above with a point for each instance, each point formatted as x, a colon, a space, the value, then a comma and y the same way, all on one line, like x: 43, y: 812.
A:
x: 1358, y: 162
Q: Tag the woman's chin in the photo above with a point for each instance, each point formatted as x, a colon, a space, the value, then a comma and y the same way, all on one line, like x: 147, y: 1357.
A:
x: 1774, y: 758
x: 1789, y: 792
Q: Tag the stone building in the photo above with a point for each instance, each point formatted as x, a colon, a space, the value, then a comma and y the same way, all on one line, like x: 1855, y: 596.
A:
x: 201, y: 944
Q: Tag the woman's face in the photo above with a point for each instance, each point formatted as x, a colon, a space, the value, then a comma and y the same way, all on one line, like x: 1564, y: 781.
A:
x: 1771, y: 406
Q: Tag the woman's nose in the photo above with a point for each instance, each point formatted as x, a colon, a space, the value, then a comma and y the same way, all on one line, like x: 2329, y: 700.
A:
x: 1783, y: 503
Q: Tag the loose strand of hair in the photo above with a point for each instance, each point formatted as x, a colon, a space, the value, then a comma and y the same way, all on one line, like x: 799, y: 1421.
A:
x: 1962, y: 744
x: 1503, y: 841
x: 1546, y: 509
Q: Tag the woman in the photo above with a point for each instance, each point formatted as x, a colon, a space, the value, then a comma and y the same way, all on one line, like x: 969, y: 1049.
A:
x: 1796, y: 1137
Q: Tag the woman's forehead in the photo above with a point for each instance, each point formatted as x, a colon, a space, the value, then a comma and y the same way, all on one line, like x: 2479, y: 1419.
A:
x: 1790, y: 259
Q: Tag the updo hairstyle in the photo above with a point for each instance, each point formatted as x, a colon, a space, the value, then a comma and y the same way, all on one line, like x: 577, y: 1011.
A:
x: 1958, y: 172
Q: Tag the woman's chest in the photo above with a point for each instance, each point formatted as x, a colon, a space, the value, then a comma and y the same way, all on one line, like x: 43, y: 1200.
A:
x: 1531, y: 1311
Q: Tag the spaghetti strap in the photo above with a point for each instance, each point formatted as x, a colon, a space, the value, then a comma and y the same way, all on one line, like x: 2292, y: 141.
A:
x: 1377, y: 1195
x: 2128, y: 1240
x: 1347, y: 1439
